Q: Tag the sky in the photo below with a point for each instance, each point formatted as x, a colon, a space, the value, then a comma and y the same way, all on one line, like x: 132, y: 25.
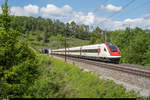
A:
x: 107, y: 14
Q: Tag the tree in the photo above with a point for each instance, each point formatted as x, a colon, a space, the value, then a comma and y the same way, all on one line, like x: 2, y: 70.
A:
x: 18, y: 63
x: 39, y: 38
x: 95, y: 38
x: 97, y: 30
x: 133, y: 44
x: 5, y: 18
x: 45, y: 37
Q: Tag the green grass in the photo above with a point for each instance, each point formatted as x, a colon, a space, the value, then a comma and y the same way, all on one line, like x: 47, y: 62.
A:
x: 54, y: 42
x: 62, y: 80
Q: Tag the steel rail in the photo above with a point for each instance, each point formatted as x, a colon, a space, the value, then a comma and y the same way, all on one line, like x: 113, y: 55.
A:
x: 126, y: 69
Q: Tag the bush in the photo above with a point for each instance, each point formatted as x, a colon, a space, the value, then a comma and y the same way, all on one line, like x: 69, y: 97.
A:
x: 18, y: 65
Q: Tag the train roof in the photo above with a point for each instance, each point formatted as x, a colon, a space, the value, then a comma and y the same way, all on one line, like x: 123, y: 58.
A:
x: 95, y: 46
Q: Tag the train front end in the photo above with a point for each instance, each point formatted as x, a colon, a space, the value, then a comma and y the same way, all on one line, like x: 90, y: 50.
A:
x: 114, y: 52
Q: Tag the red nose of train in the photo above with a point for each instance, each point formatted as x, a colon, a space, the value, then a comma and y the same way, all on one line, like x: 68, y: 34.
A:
x: 115, y: 53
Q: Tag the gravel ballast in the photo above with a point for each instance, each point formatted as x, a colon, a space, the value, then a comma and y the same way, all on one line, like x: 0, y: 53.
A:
x: 129, y: 81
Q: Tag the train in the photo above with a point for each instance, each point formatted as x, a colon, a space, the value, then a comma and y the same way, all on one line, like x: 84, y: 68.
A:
x: 107, y: 52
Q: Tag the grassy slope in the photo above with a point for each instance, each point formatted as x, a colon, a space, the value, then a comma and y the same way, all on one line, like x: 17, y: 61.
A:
x: 60, y: 79
x: 54, y: 42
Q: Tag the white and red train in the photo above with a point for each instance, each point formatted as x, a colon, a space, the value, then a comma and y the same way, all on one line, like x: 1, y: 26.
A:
x: 103, y: 52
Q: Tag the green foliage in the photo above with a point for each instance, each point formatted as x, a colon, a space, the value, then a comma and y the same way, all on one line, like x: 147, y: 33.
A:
x: 96, y: 38
x: 146, y: 56
x: 5, y: 18
x: 61, y: 80
x: 39, y: 38
x: 48, y: 27
x: 18, y: 63
x: 134, y: 45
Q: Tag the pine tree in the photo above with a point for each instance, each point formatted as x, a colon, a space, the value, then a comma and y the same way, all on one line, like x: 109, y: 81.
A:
x: 18, y: 63
x: 6, y: 19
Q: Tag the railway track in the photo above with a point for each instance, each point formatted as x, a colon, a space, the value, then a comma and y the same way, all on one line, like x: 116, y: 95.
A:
x: 136, y: 70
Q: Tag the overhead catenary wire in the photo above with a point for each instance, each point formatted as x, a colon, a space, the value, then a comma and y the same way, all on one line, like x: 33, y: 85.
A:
x: 139, y: 6
x: 114, y: 14
x: 124, y: 7
x: 92, y: 11
x: 96, y: 9
x: 147, y: 26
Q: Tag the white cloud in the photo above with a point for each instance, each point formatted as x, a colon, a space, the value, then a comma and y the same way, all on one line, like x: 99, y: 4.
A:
x: 136, y: 20
x: 80, y: 18
x: 66, y: 12
x: 111, y: 7
x: 146, y: 15
x: 31, y: 9
x: 53, y: 11
x: 103, y: 22
x: 17, y: 11
x: 28, y: 10
x: 108, y: 24
x: 0, y: 10
x: 132, y: 23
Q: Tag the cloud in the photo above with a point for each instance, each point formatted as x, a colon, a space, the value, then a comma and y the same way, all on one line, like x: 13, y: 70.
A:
x: 103, y: 22
x: 108, y: 24
x: 80, y: 18
x: 28, y: 10
x: 111, y: 8
x: 146, y: 15
x: 53, y: 11
x: 0, y: 10
x: 136, y: 20
x: 31, y: 9
x: 132, y: 23
x: 66, y: 12
x: 18, y: 11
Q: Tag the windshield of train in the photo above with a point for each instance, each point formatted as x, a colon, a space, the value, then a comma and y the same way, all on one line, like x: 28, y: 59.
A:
x: 112, y: 47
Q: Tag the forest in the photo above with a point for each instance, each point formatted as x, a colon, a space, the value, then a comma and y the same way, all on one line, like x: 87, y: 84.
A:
x: 24, y: 72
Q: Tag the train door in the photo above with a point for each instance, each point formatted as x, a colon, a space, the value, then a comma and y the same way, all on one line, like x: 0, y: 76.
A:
x: 80, y: 51
x: 103, y: 51
x: 99, y: 51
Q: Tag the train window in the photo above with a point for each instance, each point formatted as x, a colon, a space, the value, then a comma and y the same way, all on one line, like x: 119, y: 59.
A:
x: 93, y: 51
x: 86, y: 51
x: 90, y: 50
x: 74, y: 51
x: 112, y: 47
x: 105, y: 49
